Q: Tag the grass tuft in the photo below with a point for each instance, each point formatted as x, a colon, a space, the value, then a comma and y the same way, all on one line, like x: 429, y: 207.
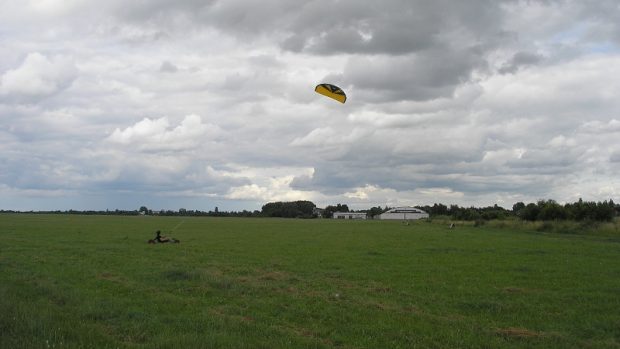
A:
x: 180, y: 275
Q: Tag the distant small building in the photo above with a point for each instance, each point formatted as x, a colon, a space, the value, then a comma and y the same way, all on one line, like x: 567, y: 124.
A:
x: 349, y: 215
x: 318, y: 212
x: 403, y: 213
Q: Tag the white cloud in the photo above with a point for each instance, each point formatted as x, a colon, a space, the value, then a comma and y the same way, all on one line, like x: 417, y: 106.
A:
x: 562, y: 142
x: 370, y: 196
x: 55, y: 7
x: 153, y: 135
x: 326, y: 136
x: 267, y: 189
x: 597, y: 127
x: 37, y: 77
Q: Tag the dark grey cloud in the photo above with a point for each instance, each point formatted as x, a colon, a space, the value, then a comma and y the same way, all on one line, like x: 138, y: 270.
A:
x: 603, y: 21
x: 319, y: 27
x: 519, y: 60
x: 355, y: 27
x: 331, y: 178
x: 418, y: 77
x: 543, y: 161
x: 167, y: 67
x: 615, y: 158
x: 388, y: 27
x: 162, y: 11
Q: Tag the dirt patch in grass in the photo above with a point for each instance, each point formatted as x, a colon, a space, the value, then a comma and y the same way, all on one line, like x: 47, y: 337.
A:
x: 310, y: 334
x: 236, y: 315
x: 108, y: 276
x: 412, y: 309
x: 513, y: 290
x: 517, y: 290
x: 380, y: 289
x: 105, y: 275
x: 517, y: 332
x: 274, y: 276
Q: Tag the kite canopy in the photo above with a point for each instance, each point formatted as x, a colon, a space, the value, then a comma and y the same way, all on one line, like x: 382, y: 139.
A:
x: 331, y: 91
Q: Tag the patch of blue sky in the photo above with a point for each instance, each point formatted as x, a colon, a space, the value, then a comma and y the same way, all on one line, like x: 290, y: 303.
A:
x: 571, y: 36
x: 581, y: 36
x: 603, y: 48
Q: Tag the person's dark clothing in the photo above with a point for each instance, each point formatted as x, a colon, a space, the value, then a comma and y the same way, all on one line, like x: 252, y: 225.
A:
x: 158, y: 237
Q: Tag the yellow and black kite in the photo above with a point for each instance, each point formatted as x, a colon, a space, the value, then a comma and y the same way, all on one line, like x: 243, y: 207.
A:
x: 331, y: 91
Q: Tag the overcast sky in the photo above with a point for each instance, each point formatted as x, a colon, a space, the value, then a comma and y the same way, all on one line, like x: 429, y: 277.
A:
x: 196, y: 104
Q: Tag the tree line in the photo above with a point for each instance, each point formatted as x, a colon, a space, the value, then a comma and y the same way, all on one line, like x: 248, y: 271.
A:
x: 547, y: 210
x: 291, y: 209
x: 542, y: 210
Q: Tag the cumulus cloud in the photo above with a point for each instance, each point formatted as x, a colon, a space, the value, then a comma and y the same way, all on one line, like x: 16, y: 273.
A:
x: 154, y: 135
x: 269, y: 184
x: 37, y: 77
x: 597, y: 127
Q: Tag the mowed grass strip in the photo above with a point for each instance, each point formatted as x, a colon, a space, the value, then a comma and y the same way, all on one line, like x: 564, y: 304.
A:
x: 72, y: 281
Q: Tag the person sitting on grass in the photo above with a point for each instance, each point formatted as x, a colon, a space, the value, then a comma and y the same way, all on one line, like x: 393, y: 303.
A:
x: 160, y: 238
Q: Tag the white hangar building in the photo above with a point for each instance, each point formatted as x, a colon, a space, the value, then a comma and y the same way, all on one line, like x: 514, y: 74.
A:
x: 404, y: 213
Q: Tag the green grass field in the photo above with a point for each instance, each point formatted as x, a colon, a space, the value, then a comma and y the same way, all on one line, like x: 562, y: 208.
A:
x: 69, y: 281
